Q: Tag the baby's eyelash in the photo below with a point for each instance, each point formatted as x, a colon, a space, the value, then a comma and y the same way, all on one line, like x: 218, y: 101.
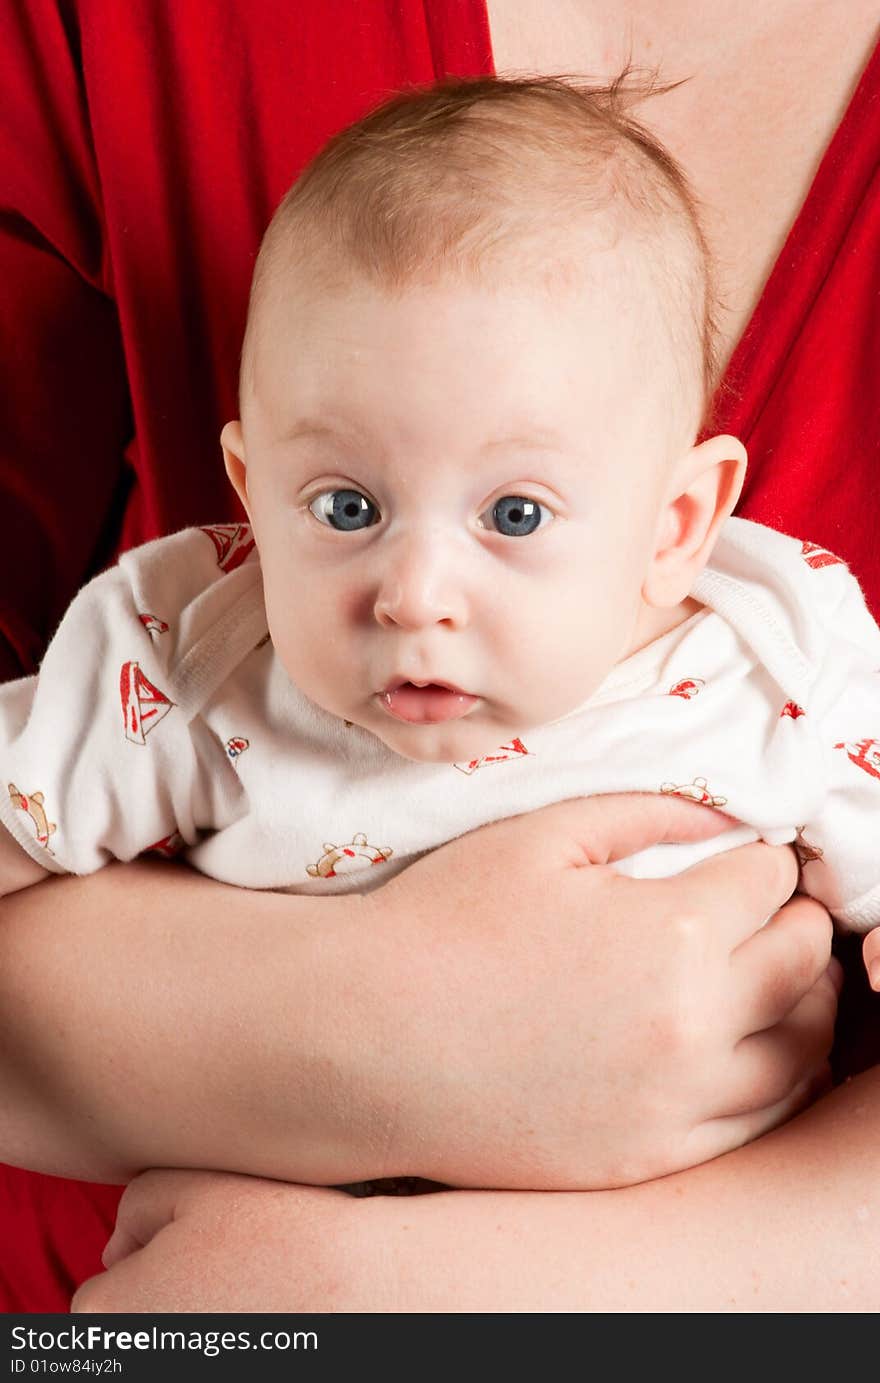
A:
x: 516, y: 516
x: 346, y: 510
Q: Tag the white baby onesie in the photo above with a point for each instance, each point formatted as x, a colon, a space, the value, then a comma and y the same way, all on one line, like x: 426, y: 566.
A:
x: 162, y: 721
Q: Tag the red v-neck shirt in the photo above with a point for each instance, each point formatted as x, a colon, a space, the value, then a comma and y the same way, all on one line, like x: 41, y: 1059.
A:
x: 144, y: 147
x: 803, y: 386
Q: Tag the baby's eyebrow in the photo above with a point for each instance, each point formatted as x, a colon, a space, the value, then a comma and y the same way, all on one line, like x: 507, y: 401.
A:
x: 314, y: 429
x: 541, y: 439
x: 320, y: 429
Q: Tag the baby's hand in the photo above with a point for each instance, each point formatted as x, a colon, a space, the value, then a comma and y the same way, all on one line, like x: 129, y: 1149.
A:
x: 871, y: 954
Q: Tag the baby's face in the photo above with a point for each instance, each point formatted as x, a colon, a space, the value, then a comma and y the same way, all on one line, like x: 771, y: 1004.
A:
x: 455, y: 493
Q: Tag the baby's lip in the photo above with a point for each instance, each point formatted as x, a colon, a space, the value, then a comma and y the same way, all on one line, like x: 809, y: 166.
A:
x: 425, y: 703
x: 397, y: 682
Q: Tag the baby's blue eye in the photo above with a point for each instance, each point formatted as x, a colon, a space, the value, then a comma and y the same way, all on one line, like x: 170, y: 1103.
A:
x: 515, y: 517
x: 346, y: 510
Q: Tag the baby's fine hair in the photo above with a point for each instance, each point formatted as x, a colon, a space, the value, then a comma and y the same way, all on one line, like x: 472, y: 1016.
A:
x: 459, y: 177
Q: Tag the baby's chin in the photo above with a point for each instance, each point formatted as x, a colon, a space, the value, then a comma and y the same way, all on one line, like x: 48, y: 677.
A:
x: 424, y: 745
x: 456, y: 743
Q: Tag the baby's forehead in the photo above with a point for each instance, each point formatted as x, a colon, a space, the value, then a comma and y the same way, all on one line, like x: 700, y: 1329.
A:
x: 608, y: 281
x: 465, y: 370
x: 471, y: 177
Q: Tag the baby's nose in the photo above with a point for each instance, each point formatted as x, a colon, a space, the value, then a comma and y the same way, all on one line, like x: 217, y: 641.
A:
x: 420, y: 587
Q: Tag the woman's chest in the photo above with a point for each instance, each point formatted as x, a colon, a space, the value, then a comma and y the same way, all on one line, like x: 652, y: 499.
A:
x: 763, y: 90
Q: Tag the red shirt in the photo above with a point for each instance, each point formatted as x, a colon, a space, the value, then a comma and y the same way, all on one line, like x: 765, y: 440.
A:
x: 803, y: 387
x: 144, y: 147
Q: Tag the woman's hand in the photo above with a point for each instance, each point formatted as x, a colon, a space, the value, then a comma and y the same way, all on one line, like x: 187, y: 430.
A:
x: 552, y: 1024
x: 212, y: 1241
x: 508, y: 1012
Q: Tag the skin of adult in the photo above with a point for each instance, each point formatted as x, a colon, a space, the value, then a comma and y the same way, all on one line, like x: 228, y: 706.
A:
x: 727, y: 1225
x: 400, y: 1078
x: 776, y: 117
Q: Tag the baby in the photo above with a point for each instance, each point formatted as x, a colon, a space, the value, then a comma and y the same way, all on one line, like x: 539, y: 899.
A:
x: 489, y: 564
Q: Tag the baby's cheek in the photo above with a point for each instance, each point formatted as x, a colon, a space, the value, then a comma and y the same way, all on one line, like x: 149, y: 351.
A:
x: 301, y: 649
x: 318, y: 666
x: 572, y: 665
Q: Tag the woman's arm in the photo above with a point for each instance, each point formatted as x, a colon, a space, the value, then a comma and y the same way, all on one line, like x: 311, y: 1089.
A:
x: 788, y: 1223
x: 507, y: 1012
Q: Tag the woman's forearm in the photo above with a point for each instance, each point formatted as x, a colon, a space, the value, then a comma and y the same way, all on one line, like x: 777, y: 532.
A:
x: 786, y: 1224
x: 474, y: 1021
x: 151, y: 1016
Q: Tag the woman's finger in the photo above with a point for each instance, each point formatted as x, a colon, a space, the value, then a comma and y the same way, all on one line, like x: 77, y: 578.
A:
x: 595, y: 830
x: 718, y: 1136
x: 623, y: 824
x: 148, y: 1203
x: 774, y: 968
x: 768, y: 1065
x: 737, y: 890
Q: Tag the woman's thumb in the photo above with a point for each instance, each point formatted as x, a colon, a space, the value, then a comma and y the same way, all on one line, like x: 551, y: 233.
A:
x: 601, y: 829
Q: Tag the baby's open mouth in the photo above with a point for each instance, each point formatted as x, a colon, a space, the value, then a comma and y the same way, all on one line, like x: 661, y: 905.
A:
x: 426, y: 703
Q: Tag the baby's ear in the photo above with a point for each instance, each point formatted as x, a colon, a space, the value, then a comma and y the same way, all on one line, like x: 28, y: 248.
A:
x: 232, y: 442
x: 706, y: 485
